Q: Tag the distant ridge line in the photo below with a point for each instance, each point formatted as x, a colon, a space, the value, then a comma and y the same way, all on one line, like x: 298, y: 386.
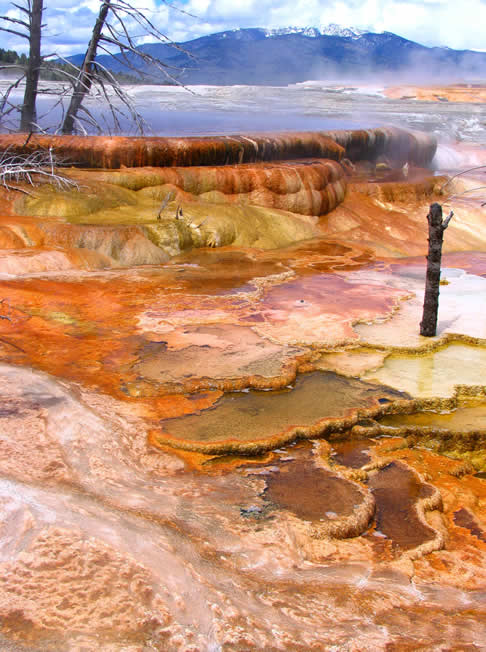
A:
x: 278, y: 57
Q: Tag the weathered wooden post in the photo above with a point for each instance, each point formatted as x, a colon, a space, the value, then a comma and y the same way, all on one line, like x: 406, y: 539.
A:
x: 437, y: 226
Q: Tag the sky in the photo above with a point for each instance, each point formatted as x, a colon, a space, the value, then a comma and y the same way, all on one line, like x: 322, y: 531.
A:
x: 458, y: 24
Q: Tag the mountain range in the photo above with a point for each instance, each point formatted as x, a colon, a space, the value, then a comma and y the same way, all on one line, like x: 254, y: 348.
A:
x: 289, y: 55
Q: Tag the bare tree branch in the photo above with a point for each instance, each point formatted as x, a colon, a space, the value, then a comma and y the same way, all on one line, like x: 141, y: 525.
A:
x: 6, y: 95
x: 112, y: 34
x: 464, y: 192
x: 7, y: 316
x: 31, y: 168
x: 20, y: 8
x: 15, y: 20
x: 478, y: 167
x: 12, y: 31
x: 168, y: 198
x: 445, y: 223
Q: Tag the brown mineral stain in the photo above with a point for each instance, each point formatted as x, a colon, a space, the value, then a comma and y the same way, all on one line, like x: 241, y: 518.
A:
x: 310, y: 492
x: 464, y: 518
x: 396, y: 491
x: 354, y: 453
x: 115, y: 152
x: 223, y: 270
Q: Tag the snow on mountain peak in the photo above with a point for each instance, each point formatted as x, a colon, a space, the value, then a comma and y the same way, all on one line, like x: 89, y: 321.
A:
x: 313, y: 32
x: 338, y: 30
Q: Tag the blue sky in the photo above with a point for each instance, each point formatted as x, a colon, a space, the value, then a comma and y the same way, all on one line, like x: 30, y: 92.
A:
x: 454, y: 23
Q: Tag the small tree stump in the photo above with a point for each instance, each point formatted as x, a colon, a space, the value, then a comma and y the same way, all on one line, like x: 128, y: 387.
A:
x: 437, y: 226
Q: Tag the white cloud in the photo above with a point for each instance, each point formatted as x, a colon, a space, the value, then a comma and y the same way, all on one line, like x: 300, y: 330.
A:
x: 431, y: 22
x: 69, y: 24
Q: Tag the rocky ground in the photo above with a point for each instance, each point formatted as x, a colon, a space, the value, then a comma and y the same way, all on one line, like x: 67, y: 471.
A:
x: 219, y: 426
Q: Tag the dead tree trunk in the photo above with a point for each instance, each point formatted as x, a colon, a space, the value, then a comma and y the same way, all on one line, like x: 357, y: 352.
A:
x: 437, y: 226
x: 28, y: 113
x: 85, y: 79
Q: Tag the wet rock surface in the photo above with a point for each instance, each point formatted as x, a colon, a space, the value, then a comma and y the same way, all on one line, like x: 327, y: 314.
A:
x: 309, y: 491
x: 353, y: 454
x: 159, y: 378
x: 396, y: 491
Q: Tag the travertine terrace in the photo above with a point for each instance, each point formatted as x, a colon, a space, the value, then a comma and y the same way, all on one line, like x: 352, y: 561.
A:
x: 219, y: 427
x: 465, y: 92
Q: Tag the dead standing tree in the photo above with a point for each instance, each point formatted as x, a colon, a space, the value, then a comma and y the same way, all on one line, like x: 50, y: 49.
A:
x: 112, y: 32
x: 84, y: 81
x: 112, y: 35
x: 28, y: 114
x: 28, y: 26
x: 437, y: 226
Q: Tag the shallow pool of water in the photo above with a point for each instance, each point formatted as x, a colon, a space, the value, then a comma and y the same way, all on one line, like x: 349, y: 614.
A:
x: 254, y: 415
x: 310, y: 492
x: 396, y: 491
x: 470, y: 417
x: 353, y: 454
x: 433, y: 374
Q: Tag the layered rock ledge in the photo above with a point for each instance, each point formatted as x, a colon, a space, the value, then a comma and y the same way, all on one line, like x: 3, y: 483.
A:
x: 115, y: 152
